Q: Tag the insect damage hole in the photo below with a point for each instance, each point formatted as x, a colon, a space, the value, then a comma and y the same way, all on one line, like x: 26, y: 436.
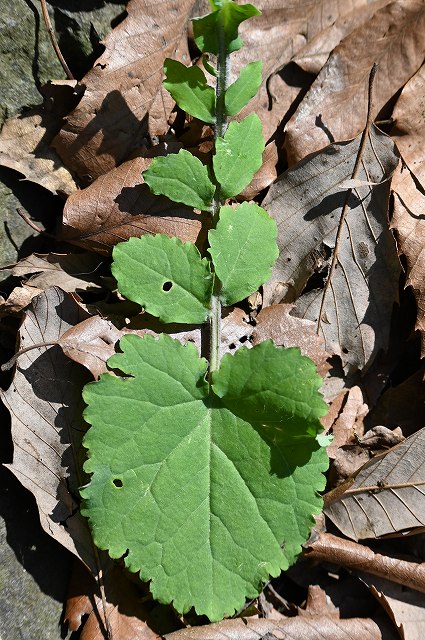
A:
x: 167, y: 286
x: 117, y: 483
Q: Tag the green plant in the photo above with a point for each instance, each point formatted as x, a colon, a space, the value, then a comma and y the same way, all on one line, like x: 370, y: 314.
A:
x: 205, y: 474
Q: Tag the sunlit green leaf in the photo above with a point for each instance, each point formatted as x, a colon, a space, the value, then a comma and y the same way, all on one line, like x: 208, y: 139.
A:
x: 244, y: 88
x: 205, y: 494
x: 182, y: 178
x: 227, y: 18
x: 238, y: 155
x: 168, y: 278
x: 188, y: 86
x: 243, y: 248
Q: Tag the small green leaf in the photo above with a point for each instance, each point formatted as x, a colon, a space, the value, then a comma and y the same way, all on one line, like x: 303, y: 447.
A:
x: 168, y: 278
x: 243, y: 248
x: 182, y: 178
x: 226, y: 19
x: 188, y: 86
x: 244, y: 88
x: 238, y: 155
x: 208, y: 67
x: 203, y: 491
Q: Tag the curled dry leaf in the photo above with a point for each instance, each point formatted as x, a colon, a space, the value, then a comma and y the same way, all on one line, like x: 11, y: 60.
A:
x: 404, y: 607
x: 352, y: 555
x: 19, y: 298
x: 349, y: 423
x: 25, y: 147
x: 69, y: 271
x: 408, y: 185
x: 387, y: 495
x: 276, y: 322
x: 306, y: 203
x: 319, y: 619
x: 118, y: 206
x: 45, y: 404
x: 110, y: 121
x: 336, y: 104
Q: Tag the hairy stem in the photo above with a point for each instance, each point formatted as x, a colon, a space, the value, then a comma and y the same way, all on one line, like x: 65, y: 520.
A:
x: 223, y: 69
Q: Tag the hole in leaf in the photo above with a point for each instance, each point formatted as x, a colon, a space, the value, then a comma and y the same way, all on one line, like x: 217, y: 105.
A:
x: 167, y: 286
x: 117, y: 483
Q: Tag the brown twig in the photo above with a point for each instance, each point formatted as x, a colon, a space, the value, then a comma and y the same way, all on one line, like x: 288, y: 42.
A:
x: 345, y: 208
x: 329, y: 548
x: 9, y: 364
x: 58, y: 52
x: 32, y: 224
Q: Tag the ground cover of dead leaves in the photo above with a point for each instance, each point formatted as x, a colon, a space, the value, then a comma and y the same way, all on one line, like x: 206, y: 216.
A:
x: 90, y: 142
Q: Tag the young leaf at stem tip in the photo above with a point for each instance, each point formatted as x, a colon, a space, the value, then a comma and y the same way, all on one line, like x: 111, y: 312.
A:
x: 238, y: 155
x: 182, y: 178
x: 166, y: 277
x: 188, y: 86
x: 244, y: 88
x: 206, y: 494
x: 226, y: 18
x: 243, y: 248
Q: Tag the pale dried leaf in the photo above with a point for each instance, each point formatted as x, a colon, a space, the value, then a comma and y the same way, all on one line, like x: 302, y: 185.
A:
x: 336, y: 104
x: 45, y: 404
x: 277, y: 324
x: 301, y: 628
x: 306, y: 203
x: 405, y: 607
x: 387, y: 495
x: 25, y: 147
x: 19, y: 298
x: 349, y: 423
x: 118, y: 206
x: 110, y: 121
x: 408, y: 184
x: 69, y: 271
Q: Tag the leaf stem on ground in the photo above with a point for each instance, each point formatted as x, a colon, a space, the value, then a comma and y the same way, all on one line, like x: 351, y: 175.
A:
x: 223, y: 71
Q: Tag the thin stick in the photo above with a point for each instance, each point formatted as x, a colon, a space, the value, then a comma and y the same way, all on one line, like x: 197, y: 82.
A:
x: 356, y: 169
x: 49, y: 28
x: 32, y: 224
x: 9, y: 364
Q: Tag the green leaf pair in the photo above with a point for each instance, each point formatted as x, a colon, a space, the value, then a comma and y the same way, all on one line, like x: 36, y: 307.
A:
x: 183, y: 178
x: 178, y: 283
x: 225, y: 19
x: 208, y: 491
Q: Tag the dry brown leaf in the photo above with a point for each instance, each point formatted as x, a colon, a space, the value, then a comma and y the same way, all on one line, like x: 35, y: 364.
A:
x: 118, y: 206
x: 110, y: 121
x: 25, y: 147
x: 335, y: 106
x: 349, y: 423
x: 408, y: 185
x: 306, y: 201
x: 19, y: 298
x: 277, y: 324
x: 265, y: 175
x: 325, y: 547
x: 276, y: 38
x: 126, y: 614
x: 320, y: 619
x: 387, y: 495
x: 45, y: 404
x: 70, y: 271
x: 405, y: 607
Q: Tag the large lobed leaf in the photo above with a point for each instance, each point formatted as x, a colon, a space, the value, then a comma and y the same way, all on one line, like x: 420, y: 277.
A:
x: 203, y: 487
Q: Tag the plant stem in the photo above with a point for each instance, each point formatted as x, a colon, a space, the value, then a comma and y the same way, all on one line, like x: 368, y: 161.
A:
x: 223, y: 69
